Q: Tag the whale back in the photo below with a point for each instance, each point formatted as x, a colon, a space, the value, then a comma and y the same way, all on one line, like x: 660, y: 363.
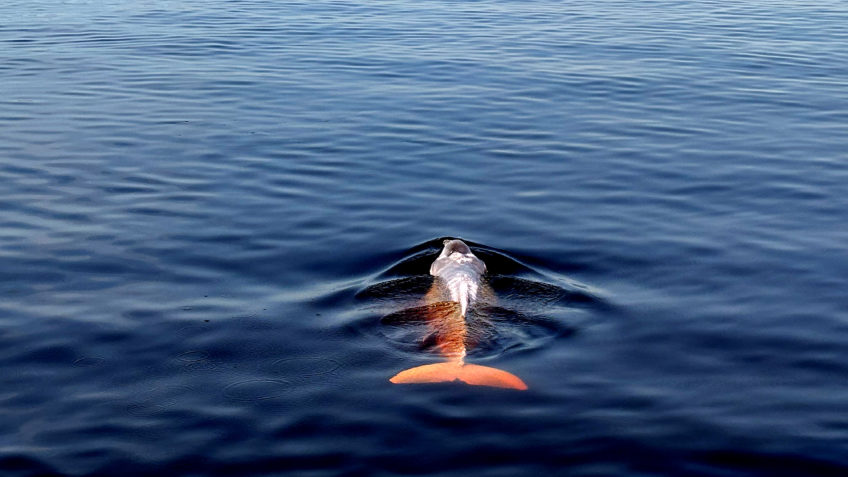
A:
x: 460, y: 272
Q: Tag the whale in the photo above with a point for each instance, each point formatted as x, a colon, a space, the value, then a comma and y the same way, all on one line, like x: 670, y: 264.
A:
x: 459, y: 281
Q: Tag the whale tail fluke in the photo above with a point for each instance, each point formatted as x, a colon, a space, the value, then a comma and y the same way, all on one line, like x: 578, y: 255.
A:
x: 457, y: 371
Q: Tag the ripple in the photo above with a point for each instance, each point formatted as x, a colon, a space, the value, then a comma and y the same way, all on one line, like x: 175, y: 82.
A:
x: 302, y: 368
x: 159, y: 400
x: 406, y: 287
x: 193, y: 357
x: 89, y: 361
x: 145, y: 409
x: 253, y: 390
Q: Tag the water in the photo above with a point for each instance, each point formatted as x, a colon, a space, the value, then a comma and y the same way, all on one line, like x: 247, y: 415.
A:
x: 214, y: 215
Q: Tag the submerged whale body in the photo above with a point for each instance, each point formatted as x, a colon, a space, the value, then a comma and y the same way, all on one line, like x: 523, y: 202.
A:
x: 458, y: 285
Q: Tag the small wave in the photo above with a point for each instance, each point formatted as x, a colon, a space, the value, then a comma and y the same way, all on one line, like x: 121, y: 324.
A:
x: 252, y: 390
x: 414, y: 286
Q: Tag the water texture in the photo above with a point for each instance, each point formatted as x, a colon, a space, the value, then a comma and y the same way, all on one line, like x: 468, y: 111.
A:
x: 213, y: 215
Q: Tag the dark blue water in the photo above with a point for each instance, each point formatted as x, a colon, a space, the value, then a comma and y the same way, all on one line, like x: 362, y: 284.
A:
x: 214, y: 212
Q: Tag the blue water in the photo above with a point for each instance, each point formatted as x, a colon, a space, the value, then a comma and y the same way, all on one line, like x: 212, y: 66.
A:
x: 214, y: 212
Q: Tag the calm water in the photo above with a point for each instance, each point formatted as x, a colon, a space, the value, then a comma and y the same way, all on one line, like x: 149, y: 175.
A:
x: 212, y: 210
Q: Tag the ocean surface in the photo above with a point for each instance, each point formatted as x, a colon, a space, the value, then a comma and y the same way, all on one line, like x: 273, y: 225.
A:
x: 214, y: 214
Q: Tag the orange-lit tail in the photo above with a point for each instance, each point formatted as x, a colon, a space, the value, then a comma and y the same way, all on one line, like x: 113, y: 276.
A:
x: 456, y: 370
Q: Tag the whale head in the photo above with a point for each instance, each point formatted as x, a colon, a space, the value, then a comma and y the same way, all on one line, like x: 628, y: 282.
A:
x: 457, y: 256
x: 454, y: 245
